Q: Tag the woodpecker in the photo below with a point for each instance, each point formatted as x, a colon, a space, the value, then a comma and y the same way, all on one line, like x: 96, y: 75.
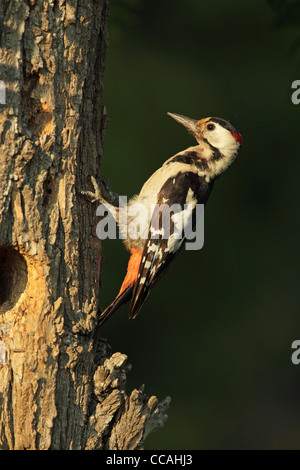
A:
x: 183, y: 181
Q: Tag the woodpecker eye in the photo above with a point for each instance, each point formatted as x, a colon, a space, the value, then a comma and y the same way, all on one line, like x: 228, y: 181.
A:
x: 210, y: 127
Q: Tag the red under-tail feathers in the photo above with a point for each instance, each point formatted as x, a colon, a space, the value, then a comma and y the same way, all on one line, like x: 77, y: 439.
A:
x: 127, y: 286
x: 132, y: 270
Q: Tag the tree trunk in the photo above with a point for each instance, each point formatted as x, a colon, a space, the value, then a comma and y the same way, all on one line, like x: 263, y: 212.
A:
x: 57, y: 390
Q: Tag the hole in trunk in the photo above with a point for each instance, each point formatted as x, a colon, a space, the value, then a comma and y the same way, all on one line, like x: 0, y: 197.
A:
x: 13, y: 277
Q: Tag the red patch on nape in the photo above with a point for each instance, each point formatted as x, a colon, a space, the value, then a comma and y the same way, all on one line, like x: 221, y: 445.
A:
x: 132, y: 270
x: 238, y: 137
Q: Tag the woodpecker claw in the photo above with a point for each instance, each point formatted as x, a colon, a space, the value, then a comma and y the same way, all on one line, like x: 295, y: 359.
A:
x: 94, y: 196
x: 97, y: 189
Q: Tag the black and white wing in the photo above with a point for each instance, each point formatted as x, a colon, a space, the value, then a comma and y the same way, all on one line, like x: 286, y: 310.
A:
x: 172, y: 215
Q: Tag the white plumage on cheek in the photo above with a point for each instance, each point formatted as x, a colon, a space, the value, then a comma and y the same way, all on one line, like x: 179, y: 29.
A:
x: 223, y: 140
x: 225, y: 143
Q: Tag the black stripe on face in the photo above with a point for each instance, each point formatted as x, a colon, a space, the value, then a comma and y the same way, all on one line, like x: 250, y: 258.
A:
x: 216, y: 152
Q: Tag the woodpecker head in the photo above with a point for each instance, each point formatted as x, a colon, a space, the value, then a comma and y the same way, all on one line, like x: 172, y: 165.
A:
x: 220, y: 140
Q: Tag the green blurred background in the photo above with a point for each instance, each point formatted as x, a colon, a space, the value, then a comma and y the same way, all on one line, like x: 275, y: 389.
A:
x: 216, y: 332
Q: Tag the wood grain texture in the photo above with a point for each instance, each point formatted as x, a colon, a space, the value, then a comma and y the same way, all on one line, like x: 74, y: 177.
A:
x: 57, y: 391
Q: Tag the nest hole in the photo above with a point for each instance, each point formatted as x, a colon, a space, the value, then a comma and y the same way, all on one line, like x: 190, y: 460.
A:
x: 13, y: 277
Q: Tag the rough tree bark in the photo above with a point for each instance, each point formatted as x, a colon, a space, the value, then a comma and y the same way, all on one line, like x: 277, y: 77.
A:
x: 57, y: 391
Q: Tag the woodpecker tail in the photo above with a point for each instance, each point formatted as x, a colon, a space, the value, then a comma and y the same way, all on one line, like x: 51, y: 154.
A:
x: 126, y: 290
x: 121, y: 299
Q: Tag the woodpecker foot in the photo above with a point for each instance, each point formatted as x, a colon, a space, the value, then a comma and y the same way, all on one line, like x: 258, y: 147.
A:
x: 95, y: 196
x: 108, y: 192
x: 103, y: 192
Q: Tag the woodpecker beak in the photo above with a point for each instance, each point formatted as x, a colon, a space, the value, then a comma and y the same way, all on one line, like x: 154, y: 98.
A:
x: 190, y: 124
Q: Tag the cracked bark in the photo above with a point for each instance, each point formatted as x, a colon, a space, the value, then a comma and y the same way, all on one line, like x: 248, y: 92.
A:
x: 57, y: 391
